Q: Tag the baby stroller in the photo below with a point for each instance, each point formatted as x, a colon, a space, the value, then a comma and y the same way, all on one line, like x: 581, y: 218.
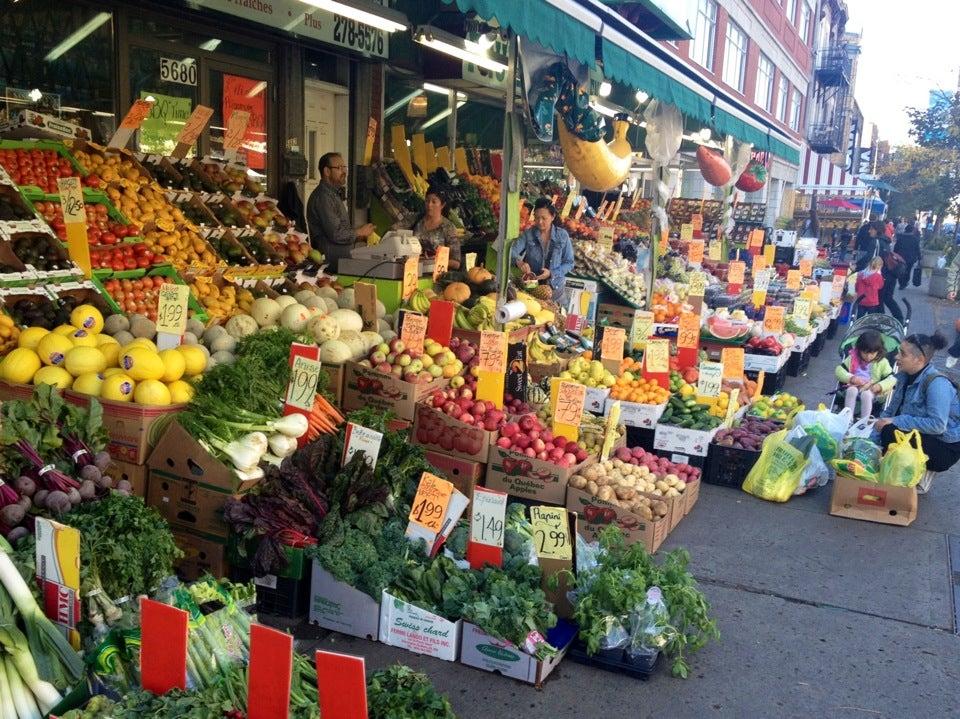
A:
x: 892, y: 333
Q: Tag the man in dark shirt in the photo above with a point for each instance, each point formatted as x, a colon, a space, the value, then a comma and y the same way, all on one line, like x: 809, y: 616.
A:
x: 327, y: 220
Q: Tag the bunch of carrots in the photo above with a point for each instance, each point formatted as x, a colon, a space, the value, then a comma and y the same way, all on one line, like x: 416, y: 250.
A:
x: 324, y: 418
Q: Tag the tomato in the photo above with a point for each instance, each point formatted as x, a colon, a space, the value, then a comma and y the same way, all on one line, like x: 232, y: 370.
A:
x: 130, y: 263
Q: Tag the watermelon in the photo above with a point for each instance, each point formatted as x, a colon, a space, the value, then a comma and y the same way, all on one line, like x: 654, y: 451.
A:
x: 724, y: 329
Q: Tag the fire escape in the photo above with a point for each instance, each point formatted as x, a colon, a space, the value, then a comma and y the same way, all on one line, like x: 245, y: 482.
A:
x: 833, y: 74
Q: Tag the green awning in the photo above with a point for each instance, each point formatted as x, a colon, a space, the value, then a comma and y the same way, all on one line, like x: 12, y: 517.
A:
x: 656, y: 18
x: 541, y: 22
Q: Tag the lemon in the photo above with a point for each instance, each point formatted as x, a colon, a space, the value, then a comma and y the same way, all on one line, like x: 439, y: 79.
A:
x: 141, y: 342
x: 87, y: 317
x: 31, y: 336
x: 180, y: 392
x: 84, y: 360
x: 152, y: 392
x: 89, y: 383
x: 20, y: 365
x: 52, y: 347
x: 194, y: 358
x: 118, y: 388
x: 57, y: 376
x: 174, y: 365
x: 141, y: 363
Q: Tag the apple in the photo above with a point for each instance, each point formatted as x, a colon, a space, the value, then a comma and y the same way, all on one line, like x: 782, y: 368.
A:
x: 385, y: 367
x: 404, y: 360
x: 416, y: 365
x: 392, y: 358
x: 467, y: 418
x: 397, y: 346
x: 504, y: 443
x: 365, y: 363
x: 397, y: 370
x: 377, y: 357
x: 426, y: 360
x: 383, y: 347
x: 455, y: 382
x: 435, y: 371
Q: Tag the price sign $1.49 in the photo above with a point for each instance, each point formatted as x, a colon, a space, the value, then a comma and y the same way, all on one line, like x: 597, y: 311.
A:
x: 302, y: 388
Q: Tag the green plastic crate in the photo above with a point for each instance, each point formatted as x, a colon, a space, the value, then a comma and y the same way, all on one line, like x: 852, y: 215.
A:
x: 57, y: 147
x: 98, y: 279
x: 297, y: 562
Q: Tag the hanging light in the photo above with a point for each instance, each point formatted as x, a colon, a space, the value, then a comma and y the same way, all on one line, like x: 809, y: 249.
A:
x: 642, y: 97
x: 458, y: 47
x: 605, y: 89
x: 705, y: 134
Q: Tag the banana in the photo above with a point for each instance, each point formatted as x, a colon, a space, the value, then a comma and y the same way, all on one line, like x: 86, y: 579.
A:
x: 596, y: 165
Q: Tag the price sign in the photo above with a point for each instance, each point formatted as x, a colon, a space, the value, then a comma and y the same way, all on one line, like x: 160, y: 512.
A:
x: 715, y: 250
x: 696, y: 221
x: 695, y: 252
x: 302, y: 387
x: 769, y: 253
x: 806, y: 268
x: 732, y: 360
x: 610, y: 431
x: 132, y: 121
x: 191, y: 130
x: 172, y: 309
x: 551, y: 533
x: 236, y: 131
x: 736, y: 272
x: 342, y: 684
x: 361, y: 439
x: 643, y: 324
x: 570, y: 399
x: 836, y: 286
x: 793, y: 279
x: 697, y: 285
x: 756, y: 238
x: 163, y: 647
x: 269, y: 674
x: 430, y: 504
x: 801, y: 309
x: 761, y: 281
x: 411, y: 275
x: 567, y: 206
x: 664, y: 239
x: 611, y: 346
x: 688, y: 332
x: 365, y: 296
x: 581, y: 207
x: 657, y: 356
x: 493, y: 352
x: 487, y: 514
x: 759, y: 263
x: 732, y: 406
x: 605, y: 238
x: 71, y: 200
x: 442, y: 262
x: 811, y: 293
x: 413, y: 331
x: 686, y: 232
x: 710, y: 379
x: 773, y: 319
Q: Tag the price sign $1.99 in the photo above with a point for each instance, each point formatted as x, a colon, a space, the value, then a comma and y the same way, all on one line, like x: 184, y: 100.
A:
x: 172, y: 309
x: 430, y: 504
x: 551, y: 535
x: 302, y: 389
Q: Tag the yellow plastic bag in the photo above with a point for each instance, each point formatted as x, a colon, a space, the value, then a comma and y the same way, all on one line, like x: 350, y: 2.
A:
x: 904, y: 462
x: 776, y: 475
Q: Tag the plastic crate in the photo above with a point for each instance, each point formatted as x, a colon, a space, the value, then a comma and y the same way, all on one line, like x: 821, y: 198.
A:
x: 728, y: 466
x: 773, y: 382
x: 798, y: 363
x: 832, y: 328
x: 640, y: 437
x: 818, y: 344
x: 279, y: 596
x: 613, y: 660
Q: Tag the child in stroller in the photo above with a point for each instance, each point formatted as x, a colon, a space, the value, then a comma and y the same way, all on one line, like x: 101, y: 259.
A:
x: 865, y: 373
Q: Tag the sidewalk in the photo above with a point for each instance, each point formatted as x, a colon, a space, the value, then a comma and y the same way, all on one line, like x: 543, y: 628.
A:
x: 819, y: 616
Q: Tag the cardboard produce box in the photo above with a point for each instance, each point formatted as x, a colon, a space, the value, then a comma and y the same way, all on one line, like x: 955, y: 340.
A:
x: 14, y: 390
x: 464, y: 474
x: 696, y: 442
x: 417, y: 630
x: 595, y: 399
x: 135, y: 474
x: 339, y: 607
x: 189, y: 486
x: 521, y: 476
x: 479, y: 649
x: 886, y: 504
x: 442, y: 433
x: 636, y: 414
x: 593, y: 515
x: 366, y: 387
x: 133, y: 429
x: 201, y: 555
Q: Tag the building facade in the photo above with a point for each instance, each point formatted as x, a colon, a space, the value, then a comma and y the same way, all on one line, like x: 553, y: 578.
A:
x: 761, y: 51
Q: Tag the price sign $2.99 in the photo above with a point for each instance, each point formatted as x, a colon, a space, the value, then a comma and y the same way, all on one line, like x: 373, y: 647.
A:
x: 551, y: 535
x: 302, y: 389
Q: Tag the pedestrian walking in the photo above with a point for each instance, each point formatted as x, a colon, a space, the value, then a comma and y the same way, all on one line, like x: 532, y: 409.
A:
x: 893, y: 267
x: 867, y: 245
x: 908, y: 247
x: 868, y: 286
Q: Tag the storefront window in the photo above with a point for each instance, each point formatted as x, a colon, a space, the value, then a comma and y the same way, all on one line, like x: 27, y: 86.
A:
x: 62, y: 50
x: 230, y: 92
x: 158, y: 30
x: 172, y: 80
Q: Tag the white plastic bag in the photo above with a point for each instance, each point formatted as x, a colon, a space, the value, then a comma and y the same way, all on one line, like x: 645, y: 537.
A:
x: 836, y: 424
x: 862, y: 428
x: 816, y: 473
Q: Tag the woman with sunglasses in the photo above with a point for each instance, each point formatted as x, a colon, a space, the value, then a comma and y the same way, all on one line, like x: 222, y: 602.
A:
x: 925, y: 400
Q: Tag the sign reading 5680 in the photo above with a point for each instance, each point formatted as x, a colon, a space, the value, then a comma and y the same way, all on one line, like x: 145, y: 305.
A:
x: 358, y: 36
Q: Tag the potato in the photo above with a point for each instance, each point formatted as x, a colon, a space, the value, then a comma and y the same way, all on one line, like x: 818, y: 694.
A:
x: 592, y: 488
x: 625, y: 493
x: 578, y: 482
x: 646, y: 513
x: 672, y: 493
x: 605, y: 493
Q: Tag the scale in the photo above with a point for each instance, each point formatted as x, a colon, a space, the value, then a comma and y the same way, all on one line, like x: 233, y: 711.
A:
x: 385, y: 259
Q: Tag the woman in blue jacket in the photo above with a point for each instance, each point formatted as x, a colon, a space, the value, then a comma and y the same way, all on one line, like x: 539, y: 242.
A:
x: 925, y: 400
x: 545, y: 249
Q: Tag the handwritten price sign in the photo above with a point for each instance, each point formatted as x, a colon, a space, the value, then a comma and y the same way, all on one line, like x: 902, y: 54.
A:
x: 302, y: 388
x: 710, y: 379
x: 71, y: 200
x: 551, y: 533
x: 686, y: 232
x: 570, y: 398
x: 806, y: 268
x: 698, y: 284
x: 493, y: 352
x: 761, y: 280
x: 605, y: 238
x: 773, y: 318
x: 643, y: 324
x: 487, y: 517
x: 413, y: 331
x: 411, y: 274
x: 801, y: 309
x: 657, y: 356
x: 136, y: 114
x: 695, y: 252
x: 430, y: 504
x: 611, y: 346
x: 736, y: 272
x: 732, y: 360
x: 714, y: 251
x: 172, y: 309
x: 696, y: 221
x: 836, y: 286
x: 236, y: 131
x: 688, y: 332
x: 194, y: 126
x: 759, y: 264
x: 441, y: 262
x: 793, y: 279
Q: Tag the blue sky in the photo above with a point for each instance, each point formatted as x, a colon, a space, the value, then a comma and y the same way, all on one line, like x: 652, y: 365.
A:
x: 908, y: 49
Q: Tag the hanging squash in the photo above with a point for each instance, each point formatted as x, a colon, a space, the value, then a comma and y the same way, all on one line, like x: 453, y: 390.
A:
x: 713, y: 167
x: 479, y: 275
x: 457, y: 292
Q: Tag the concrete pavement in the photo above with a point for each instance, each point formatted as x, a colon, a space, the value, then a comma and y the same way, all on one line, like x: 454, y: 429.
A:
x: 819, y: 616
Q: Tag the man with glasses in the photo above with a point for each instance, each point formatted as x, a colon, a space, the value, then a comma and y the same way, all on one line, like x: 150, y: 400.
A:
x: 327, y: 220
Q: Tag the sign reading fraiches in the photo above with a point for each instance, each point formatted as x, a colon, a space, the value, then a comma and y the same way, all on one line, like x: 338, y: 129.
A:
x: 302, y: 19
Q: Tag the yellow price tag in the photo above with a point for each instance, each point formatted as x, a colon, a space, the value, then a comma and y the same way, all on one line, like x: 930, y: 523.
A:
x: 695, y: 252
x: 697, y: 285
x: 714, y: 250
x: 551, y: 533
x: 172, y: 308
x: 686, y: 232
x: 605, y: 238
x: 413, y: 331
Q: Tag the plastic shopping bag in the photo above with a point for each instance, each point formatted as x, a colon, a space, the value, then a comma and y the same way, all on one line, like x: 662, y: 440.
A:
x: 904, y: 462
x: 862, y: 450
x: 836, y: 424
x: 776, y: 475
x: 861, y: 428
x: 828, y: 446
x: 816, y: 473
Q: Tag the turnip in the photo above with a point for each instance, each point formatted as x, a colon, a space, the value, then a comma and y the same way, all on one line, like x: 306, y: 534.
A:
x: 74, y: 496
x: 40, y: 497
x: 105, y: 481
x: 25, y: 486
x: 124, y: 486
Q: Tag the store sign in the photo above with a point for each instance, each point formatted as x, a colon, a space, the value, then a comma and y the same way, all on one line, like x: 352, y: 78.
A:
x: 483, y: 76
x: 183, y: 72
x: 158, y: 133
x: 246, y: 95
x: 300, y: 19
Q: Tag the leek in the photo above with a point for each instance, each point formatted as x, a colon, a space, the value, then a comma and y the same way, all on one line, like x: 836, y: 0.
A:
x: 7, y: 708
x: 26, y: 707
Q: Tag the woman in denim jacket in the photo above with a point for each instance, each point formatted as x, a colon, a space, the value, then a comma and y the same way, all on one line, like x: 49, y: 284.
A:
x: 545, y: 249
x: 925, y: 400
